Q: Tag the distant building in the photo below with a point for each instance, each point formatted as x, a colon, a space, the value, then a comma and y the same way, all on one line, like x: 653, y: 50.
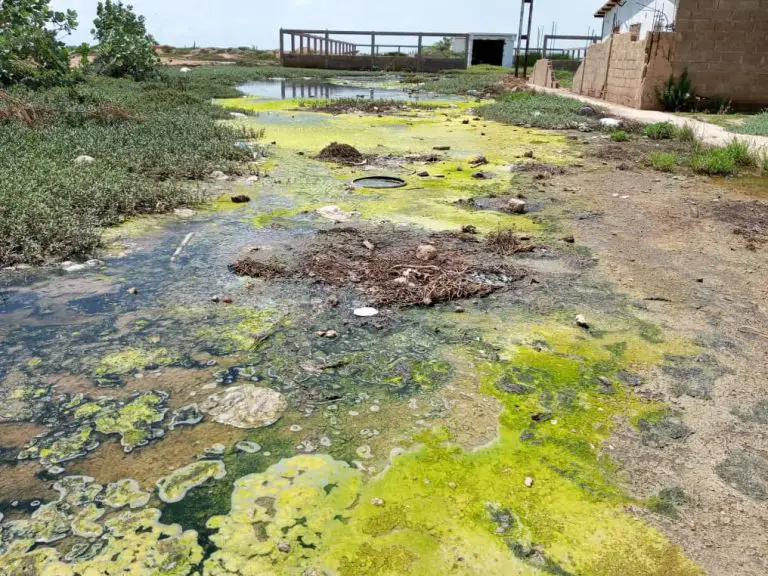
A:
x: 637, y: 16
x: 493, y: 49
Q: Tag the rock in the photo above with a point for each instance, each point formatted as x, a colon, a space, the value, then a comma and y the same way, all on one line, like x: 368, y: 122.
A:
x: 441, y: 148
x: 331, y: 334
x: 469, y: 229
x: 377, y: 502
x: 237, y: 115
x: 219, y: 175
x: 581, y: 321
x: 335, y: 213
x: 610, y: 123
x: 465, y: 121
x: 426, y: 252
x: 484, y: 175
x: 365, y: 312
x: 528, y: 154
x: 368, y: 245
x: 423, y: 174
x: 284, y: 546
x: 133, y: 291
x: 184, y: 212
x: 185, y: 69
x: 569, y: 240
x: 472, y: 92
x: 216, y: 299
x: 515, y: 206
x: 332, y: 301
x: 582, y: 127
x: 251, y: 180
x: 586, y: 111
x: 246, y: 406
x: 84, y: 159
x: 458, y: 310
x: 528, y: 481
x: 240, y: 199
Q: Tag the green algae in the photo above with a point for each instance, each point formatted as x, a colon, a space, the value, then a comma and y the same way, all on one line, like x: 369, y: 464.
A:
x: 134, y: 421
x: 174, y: 487
x: 52, y: 450
x: 125, y: 492
x: 131, y: 360
x: 236, y: 329
x: 86, y: 523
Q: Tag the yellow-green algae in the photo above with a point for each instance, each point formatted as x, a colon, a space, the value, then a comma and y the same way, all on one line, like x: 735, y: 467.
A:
x: 131, y: 360
x: 174, y: 487
x: 433, y: 510
x: 125, y: 492
x: 426, y: 202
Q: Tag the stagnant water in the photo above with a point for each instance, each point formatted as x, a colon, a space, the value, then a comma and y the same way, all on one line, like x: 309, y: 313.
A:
x: 281, y: 89
x: 163, y: 415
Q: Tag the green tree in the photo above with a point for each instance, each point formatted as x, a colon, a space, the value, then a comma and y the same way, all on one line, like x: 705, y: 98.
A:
x: 124, y: 46
x: 30, y: 49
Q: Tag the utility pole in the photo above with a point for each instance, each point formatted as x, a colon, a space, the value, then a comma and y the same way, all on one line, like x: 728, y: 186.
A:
x: 526, y: 37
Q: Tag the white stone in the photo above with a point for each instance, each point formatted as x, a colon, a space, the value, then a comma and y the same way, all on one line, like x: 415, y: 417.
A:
x: 335, y: 214
x: 610, y: 122
x: 366, y: 312
x: 184, y: 212
x: 84, y: 159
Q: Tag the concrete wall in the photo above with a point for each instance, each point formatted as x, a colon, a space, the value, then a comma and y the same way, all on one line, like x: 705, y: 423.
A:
x: 724, y: 45
x: 393, y: 63
x: 543, y: 75
x: 642, y: 12
x: 625, y: 71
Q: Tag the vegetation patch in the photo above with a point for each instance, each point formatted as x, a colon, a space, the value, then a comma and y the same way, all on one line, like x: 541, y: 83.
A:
x: 535, y: 110
x: 660, y: 131
x: 360, y: 106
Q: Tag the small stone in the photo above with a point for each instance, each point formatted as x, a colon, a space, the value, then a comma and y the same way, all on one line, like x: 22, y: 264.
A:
x: 248, y: 447
x: 216, y: 299
x: 365, y: 312
x: 240, y: 199
x: 331, y: 334
x: 459, y: 310
x: 375, y: 408
x: 368, y: 244
x: 132, y: 291
x: 377, y: 502
x: 465, y: 121
x: 700, y: 280
x: 610, y: 123
x: 452, y: 484
x: 184, y: 212
x: 515, y: 206
x: 426, y: 252
x: 581, y: 321
x: 469, y: 229
x: 227, y: 300
x: 251, y: 180
x: 284, y: 546
x: 569, y: 239
x: 441, y: 148
x: 528, y: 154
x: 295, y: 428
x: 423, y: 174
x: 332, y: 301
x: 586, y: 111
x: 219, y: 175
x: 84, y: 159
x: 528, y: 481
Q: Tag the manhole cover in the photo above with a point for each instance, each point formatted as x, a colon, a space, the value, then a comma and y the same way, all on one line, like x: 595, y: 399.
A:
x: 380, y: 182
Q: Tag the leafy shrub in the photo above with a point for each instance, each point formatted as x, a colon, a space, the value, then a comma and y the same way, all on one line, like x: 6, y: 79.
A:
x: 668, y: 501
x: 30, y: 51
x: 619, y: 136
x: 660, y: 131
x: 125, y: 48
x: 663, y: 161
x: 686, y: 133
x: 677, y: 95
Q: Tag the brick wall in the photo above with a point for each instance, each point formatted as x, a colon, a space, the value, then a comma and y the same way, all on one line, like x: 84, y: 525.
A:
x: 724, y: 45
x: 543, y: 75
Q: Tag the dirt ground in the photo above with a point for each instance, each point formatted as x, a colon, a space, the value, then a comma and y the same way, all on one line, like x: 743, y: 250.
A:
x: 675, y: 244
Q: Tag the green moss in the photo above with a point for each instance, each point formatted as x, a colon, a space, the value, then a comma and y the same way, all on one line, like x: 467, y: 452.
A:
x: 237, y: 329
x: 134, y: 421
x: 132, y: 360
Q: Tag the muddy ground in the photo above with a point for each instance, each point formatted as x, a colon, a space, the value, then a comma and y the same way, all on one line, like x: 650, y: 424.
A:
x: 674, y: 244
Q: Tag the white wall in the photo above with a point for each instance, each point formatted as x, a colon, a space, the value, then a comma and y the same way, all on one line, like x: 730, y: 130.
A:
x: 639, y: 12
x: 510, y: 41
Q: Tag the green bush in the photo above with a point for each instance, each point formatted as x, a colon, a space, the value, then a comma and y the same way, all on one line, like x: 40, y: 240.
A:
x: 619, y: 136
x: 677, y: 95
x: 660, y: 131
x: 124, y: 47
x: 722, y: 161
x: 146, y: 139
x: 539, y: 110
x: 686, y: 133
x: 663, y: 161
x: 30, y: 49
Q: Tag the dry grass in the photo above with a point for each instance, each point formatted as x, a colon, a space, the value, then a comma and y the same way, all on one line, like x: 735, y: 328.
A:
x: 506, y: 242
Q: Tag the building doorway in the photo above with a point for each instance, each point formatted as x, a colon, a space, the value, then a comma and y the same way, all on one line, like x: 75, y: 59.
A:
x: 488, y: 52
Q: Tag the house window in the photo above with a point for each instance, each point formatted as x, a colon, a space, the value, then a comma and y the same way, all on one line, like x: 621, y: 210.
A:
x: 634, y: 31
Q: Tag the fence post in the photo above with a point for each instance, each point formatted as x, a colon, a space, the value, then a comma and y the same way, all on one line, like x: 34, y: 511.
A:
x: 418, y: 55
x: 282, y: 45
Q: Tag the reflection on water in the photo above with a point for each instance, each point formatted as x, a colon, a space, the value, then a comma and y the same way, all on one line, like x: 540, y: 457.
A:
x: 298, y: 89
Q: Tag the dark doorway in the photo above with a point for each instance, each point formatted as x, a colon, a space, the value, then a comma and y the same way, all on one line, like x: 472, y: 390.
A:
x: 488, y: 52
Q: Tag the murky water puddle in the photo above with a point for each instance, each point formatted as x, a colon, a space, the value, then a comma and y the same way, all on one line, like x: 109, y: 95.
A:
x: 147, y: 422
x: 281, y: 89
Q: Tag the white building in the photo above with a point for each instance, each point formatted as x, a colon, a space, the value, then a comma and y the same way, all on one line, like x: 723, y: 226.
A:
x: 494, y: 49
x: 637, y: 16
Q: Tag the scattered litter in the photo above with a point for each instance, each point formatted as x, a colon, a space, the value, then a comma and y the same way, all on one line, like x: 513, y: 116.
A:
x: 610, y: 123
x: 72, y: 267
x: 528, y: 481
x: 181, y: 247
x: 366, y: 312
x: 133, y: 291
x: 336, y: 214
x: 581, y: 321
x: 377, y: 502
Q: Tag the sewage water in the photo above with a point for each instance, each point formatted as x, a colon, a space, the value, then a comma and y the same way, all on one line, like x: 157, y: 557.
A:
x: 280, y: 89
x: 124, y: 414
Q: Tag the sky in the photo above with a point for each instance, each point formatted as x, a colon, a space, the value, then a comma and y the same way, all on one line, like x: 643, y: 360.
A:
x: 230, y: 23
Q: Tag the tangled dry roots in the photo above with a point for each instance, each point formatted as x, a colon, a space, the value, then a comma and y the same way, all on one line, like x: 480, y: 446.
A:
x: 506, y: 242
x: 342, y: 153
x: 395, y: 271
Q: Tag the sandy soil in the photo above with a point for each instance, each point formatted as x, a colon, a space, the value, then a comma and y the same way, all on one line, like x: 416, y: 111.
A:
x: 668, y: 242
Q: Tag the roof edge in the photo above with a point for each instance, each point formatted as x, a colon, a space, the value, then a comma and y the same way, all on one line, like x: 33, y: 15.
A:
x: 607, y: 7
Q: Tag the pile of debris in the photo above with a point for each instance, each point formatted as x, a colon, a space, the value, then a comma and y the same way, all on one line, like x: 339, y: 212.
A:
x: 403, y: 268
x: 342, y: 154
